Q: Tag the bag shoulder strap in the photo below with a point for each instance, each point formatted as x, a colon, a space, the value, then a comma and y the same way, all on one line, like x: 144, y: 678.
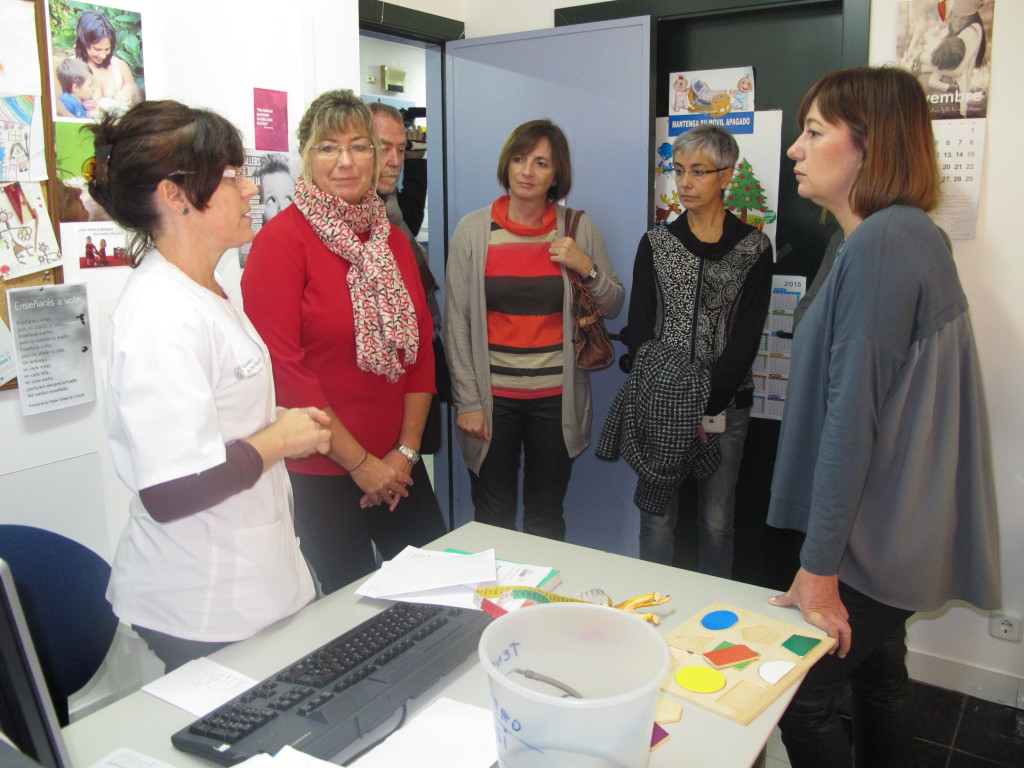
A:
x: 572, y: 220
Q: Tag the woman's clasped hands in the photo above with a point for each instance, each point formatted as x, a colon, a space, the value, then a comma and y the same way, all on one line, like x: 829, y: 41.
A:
x: 384, y: 480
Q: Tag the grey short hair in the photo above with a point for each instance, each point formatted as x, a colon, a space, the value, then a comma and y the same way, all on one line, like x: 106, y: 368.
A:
x: 380, y: 108
x: 713, y: 141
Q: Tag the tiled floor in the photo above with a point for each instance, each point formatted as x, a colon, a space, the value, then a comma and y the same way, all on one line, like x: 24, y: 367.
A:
x: 952, y: 730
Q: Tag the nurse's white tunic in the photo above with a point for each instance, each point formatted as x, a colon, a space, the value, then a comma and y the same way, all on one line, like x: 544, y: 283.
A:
x: 187, y: 374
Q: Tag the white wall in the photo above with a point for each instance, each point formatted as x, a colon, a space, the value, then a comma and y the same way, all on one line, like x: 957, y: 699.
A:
x: 374, y: 52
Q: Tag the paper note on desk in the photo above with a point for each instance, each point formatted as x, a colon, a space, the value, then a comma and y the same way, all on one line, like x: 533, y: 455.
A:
x: 199, y: 686
x: 420, y: 570
x: 286, y: 757
x: 447, y: 734
x: 464, y: 578
x: 129, y: 758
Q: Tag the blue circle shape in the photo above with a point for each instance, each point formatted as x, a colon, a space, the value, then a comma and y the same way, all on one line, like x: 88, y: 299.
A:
x: 719, y: 620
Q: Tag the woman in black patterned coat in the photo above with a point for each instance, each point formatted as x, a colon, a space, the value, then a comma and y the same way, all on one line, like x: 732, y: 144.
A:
x: 703, y: 284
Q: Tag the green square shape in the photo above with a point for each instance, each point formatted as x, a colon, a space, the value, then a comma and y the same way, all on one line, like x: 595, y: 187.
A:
x: 801, y: 645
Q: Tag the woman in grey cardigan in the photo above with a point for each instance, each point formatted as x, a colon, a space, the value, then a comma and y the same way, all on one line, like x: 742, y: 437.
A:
x: 883, y: 458
x: 508, y: 334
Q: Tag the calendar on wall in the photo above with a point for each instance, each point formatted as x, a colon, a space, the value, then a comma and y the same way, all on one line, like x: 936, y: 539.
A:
x: 959, y: 149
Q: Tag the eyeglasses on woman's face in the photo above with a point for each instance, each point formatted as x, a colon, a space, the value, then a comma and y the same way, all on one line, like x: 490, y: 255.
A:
x: 236, y: 175
x: 696, y: 173
x: 328, y: 151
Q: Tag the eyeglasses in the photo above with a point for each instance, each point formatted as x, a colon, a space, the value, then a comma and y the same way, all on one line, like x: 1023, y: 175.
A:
x: 697, y: 173
x: 333, y: 151
x: 235, y: 174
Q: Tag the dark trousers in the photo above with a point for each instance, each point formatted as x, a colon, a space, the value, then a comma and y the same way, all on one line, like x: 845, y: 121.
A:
x: 175, y: 651
x: 532, y: 428
x: 876, y: 670
x: 337, y: 537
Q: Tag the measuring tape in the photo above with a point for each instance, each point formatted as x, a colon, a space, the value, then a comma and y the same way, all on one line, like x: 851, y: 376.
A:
x: 497, y: 601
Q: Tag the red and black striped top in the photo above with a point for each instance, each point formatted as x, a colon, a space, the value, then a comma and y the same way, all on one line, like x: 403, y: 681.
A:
x: 524, y: 293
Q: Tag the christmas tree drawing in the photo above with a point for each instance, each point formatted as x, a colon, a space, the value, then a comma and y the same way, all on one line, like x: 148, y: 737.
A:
x: 745, y: 194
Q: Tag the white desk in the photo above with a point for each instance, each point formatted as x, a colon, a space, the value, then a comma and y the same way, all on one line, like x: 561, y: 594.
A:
x: 701, y: 739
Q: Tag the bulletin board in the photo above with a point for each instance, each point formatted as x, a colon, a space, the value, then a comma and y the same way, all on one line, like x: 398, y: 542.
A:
x: 53, y: 276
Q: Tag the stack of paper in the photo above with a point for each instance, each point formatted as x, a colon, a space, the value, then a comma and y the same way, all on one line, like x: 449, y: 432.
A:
x: 450, y: 578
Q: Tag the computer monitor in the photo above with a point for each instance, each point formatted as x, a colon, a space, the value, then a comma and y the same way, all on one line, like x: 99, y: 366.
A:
x: 27, y: 716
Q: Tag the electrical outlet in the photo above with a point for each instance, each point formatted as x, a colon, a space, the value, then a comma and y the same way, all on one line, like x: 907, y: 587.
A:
x: 371, y: 79
x: 1004, y: 626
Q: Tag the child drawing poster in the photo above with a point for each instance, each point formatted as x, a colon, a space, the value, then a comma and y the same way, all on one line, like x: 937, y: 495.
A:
x: 96, y: 59
x: 27, y: 242
x: 721, y: 96
x: 948, y: 45
x: 17, y: 138
x: 753, y: 194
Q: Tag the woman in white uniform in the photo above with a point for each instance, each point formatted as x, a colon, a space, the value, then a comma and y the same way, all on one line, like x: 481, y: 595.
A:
x: 209, y: 555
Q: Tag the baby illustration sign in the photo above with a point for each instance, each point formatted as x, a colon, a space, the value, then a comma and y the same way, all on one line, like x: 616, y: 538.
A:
x: 721, y: 96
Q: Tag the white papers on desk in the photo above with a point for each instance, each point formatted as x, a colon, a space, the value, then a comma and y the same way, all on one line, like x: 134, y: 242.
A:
x: 449, y: 578
x: 287, y: 757
x: 200, y: 686
x: 129, y: 758
x: 447, y: 734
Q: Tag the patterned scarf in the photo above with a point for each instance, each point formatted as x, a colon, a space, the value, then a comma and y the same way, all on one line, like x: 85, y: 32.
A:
x: 384, y: 316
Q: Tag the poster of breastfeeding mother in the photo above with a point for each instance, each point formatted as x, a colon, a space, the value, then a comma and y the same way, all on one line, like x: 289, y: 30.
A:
x: 96, y: 57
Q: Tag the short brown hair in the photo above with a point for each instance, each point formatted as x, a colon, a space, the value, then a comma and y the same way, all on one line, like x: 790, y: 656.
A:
x: 523, y: 139
x: 887, y: 113
x: 338, y: 111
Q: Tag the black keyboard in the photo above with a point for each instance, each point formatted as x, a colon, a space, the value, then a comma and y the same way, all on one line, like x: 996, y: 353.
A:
x: 325, y: 701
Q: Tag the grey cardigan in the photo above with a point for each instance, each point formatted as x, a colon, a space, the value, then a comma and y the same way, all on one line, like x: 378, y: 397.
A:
x: 884, y: 455
x: 465, y: 329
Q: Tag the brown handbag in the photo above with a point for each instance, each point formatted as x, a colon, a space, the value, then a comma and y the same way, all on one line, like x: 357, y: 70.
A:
x: 593, y: 349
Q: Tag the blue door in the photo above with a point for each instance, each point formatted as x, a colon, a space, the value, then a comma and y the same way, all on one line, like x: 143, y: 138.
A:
x: 593, y: 80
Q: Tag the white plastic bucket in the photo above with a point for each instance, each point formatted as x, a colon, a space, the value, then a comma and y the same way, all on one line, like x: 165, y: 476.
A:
x: 614, y: 660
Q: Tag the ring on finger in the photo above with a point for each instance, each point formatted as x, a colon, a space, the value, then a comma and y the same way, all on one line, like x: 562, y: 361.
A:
x: 390, y: 492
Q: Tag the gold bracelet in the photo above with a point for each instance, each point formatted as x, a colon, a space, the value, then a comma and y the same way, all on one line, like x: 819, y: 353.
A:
x: 366, y: 452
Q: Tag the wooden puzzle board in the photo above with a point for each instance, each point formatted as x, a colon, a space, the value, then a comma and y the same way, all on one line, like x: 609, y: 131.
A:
x: 745, y: 694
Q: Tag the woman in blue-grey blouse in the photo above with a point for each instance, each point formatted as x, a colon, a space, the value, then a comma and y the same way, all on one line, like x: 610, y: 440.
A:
x: 884, y: 455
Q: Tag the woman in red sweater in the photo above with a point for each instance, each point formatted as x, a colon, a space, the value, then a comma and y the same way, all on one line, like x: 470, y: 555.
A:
x: 334, y: 290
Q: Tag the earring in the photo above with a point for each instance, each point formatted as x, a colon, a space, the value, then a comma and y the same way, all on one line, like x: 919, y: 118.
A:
x: 184, y: 211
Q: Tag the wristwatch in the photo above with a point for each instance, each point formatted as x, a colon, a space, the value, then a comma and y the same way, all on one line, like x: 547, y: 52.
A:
x: 592, y: 276
x: 410, y: 453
